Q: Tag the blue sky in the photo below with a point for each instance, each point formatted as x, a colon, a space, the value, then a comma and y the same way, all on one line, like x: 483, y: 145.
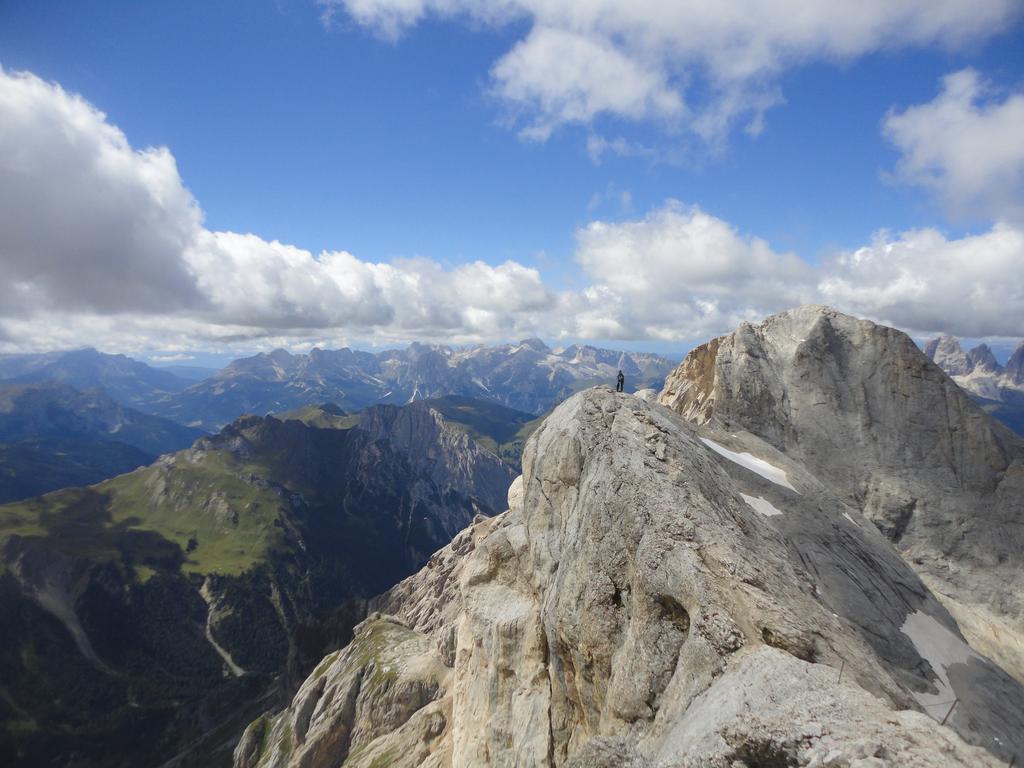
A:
x: 329, y: 136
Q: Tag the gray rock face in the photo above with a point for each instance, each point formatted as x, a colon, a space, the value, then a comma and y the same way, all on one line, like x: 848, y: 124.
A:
x: 883, y: 427
x: 1015, y: 365
x: 656, y: 595
x: 981, y: 359
x: 442, y: 452
x: 946, y: 353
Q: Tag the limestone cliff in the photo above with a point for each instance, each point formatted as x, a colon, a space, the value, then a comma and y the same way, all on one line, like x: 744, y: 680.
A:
x: 442, y: 452
x: 657, y: 594
x: 870, y: 416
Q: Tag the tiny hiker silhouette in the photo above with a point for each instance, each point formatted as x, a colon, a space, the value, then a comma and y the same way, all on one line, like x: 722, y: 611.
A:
x: 620, y: 382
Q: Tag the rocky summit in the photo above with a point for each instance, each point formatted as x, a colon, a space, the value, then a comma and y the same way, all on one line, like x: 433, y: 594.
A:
x: 998, y: 389
x: 708, y: 581
x: 882, y: 426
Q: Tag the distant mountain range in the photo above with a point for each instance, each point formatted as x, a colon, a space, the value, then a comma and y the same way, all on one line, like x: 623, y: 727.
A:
x: 127, y: 381
x: 189, y: 372
x: 53, y: 436
x: 998, y: 389
x: 528, y: 376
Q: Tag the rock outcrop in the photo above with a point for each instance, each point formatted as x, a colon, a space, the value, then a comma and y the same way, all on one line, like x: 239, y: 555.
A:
x: 1014, y: 368
x: 441, y: 451
x: 947, y: 353
x: 871, y: 417
x: 658, y: 594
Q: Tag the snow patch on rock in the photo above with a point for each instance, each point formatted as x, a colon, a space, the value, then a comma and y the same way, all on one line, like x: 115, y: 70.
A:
x: 758, y: 466
x: 941, y: 649
x: 762, y: 505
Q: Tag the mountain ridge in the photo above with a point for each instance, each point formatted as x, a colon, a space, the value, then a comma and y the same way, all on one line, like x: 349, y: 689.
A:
x: 871, y: 414
x: 528, y: 376
x: 53, y: 436
x: 127, y: 381
x: 215, y: 577
x: 633, y: 607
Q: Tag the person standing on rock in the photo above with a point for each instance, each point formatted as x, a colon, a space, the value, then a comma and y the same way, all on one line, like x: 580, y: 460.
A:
x: 620, y: 382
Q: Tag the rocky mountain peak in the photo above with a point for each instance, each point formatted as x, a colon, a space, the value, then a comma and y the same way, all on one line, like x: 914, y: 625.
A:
x: 981, y: 359
x: 998, y: 389
x: 946, y: 352
x: 1015, y: 365
x: 281, y: 357
x: 536, y: 345
x: 657, y: 594
x: 874, y: 419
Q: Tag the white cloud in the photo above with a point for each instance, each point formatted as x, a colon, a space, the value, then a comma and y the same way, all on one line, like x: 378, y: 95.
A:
x: 85, y: 220
x: 925, y: 283
x: 566, y: 77
x: 647, y: 59
x: 91, y: 228
x: 680, y: 272
x: 251, y: 282
x: 599, y: 146
x: 111, y: 251
x: 966, y: 145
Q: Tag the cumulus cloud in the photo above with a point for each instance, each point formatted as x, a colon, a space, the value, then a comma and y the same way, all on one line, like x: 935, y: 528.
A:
x: 566, y: 77
x: 680, y: 272
x: 967, y: 146
x: 252, y: 282
x: 647, y: 59
x: 923, y: 282
x: 110, y: 249
x: 85, y: 220
x: 92, y: 228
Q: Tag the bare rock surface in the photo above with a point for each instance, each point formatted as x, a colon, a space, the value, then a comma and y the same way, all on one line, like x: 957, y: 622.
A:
x: 450, y: 457
x: 634, y: 608
x: 864, y: 411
